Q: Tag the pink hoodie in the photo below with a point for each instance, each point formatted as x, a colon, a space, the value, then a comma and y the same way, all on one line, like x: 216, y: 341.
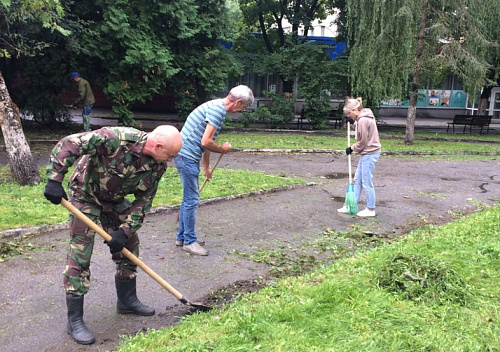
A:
x: 367, y: 138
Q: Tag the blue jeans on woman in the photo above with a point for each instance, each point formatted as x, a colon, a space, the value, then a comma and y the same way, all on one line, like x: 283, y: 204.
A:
x: 363, y: 179
x: 189, y: 172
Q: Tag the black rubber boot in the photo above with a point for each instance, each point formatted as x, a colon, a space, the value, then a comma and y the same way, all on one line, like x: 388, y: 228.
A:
x: 128, y: 303
x: 76, y: 326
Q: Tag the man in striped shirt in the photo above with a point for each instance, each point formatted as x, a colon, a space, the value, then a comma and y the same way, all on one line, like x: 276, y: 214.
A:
x: 198, y: 140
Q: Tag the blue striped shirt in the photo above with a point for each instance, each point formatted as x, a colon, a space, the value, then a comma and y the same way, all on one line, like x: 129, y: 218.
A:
x: 213, y: 112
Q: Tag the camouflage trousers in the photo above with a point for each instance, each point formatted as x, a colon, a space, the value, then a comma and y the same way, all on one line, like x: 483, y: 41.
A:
x: 81, y: 244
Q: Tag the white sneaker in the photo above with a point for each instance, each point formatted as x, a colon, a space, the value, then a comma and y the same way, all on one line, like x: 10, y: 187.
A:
x: 343, y: 210
x: 195, y: 248
x: 366, y: 213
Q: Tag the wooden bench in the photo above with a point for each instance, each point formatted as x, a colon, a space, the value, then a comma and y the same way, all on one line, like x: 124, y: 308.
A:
x: 470, y: 120
x: 460, y: 120
x: 301, y: 118
x: 337, y: 120
x: 481, y: 121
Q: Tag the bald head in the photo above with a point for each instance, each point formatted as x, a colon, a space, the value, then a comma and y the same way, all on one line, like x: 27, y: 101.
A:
x: 163, y: 143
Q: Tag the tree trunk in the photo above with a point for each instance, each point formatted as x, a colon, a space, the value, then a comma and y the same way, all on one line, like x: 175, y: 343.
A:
x: 412, y: 109
x: 21, y: 161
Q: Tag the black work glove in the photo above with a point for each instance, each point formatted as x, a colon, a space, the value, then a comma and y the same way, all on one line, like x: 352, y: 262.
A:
x: 348, y: 150
x: 54, y: 192
x: 118, y: 240
x: 348, y: 119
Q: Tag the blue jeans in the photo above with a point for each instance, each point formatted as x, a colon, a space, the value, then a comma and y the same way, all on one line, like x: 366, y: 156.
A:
x: 363, y: 179
x: 189, y: 172
x: 86, y: 117
x: 87, y: 109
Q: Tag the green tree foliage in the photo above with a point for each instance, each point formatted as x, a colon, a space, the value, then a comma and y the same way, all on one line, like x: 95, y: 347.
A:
x: 21, y: 20
x: 144, y: 48
x: 392, y: 43
x: 268, y: 17
x: 203, y: 63
x: 290, y: 55
x: 318, y: 76
x: 38, y: 75
x: 279, y: 112
x: 128, y: 43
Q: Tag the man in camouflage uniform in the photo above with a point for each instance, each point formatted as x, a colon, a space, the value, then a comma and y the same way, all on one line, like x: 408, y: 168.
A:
x: 115, y: 162
x: 85, y: 99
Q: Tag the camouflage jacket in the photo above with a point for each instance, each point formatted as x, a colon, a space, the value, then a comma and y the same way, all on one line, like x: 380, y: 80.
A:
x: 112, y: 166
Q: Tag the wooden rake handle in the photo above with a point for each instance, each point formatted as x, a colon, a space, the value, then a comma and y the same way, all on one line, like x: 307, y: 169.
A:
x: 124, y: 251
x: 213, y: 169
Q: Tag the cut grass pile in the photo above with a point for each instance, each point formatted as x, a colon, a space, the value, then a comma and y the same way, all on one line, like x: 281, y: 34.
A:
x: 26, y: 206
x: 436, y: 290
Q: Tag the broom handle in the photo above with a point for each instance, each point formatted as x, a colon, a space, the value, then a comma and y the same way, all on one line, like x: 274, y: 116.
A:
x: 213, y: 169
x: 348, y: 145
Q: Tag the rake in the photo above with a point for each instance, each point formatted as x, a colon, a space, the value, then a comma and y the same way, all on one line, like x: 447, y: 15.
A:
x: 133, y: 258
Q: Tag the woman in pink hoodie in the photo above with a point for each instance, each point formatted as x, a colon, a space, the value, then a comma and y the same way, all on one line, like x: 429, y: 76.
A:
x: 368, y: 145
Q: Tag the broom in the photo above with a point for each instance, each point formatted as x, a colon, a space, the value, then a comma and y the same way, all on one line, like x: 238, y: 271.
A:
x: 350, y: 199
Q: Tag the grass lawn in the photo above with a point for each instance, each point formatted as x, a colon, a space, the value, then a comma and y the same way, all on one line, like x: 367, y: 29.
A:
x: 252, y: 140
x: 26, y: 206
x: 436, y: 290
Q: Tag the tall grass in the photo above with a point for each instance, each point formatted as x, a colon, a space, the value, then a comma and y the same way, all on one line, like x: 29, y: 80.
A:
x: 345, y: 307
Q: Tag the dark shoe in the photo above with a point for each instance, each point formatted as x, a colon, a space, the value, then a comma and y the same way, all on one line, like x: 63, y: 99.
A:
x: 195, y: 248
x: 76, y: 326
x: 128, y: 303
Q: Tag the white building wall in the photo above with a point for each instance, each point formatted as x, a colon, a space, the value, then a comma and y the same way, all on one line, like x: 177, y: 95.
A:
x: 320, y: 28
